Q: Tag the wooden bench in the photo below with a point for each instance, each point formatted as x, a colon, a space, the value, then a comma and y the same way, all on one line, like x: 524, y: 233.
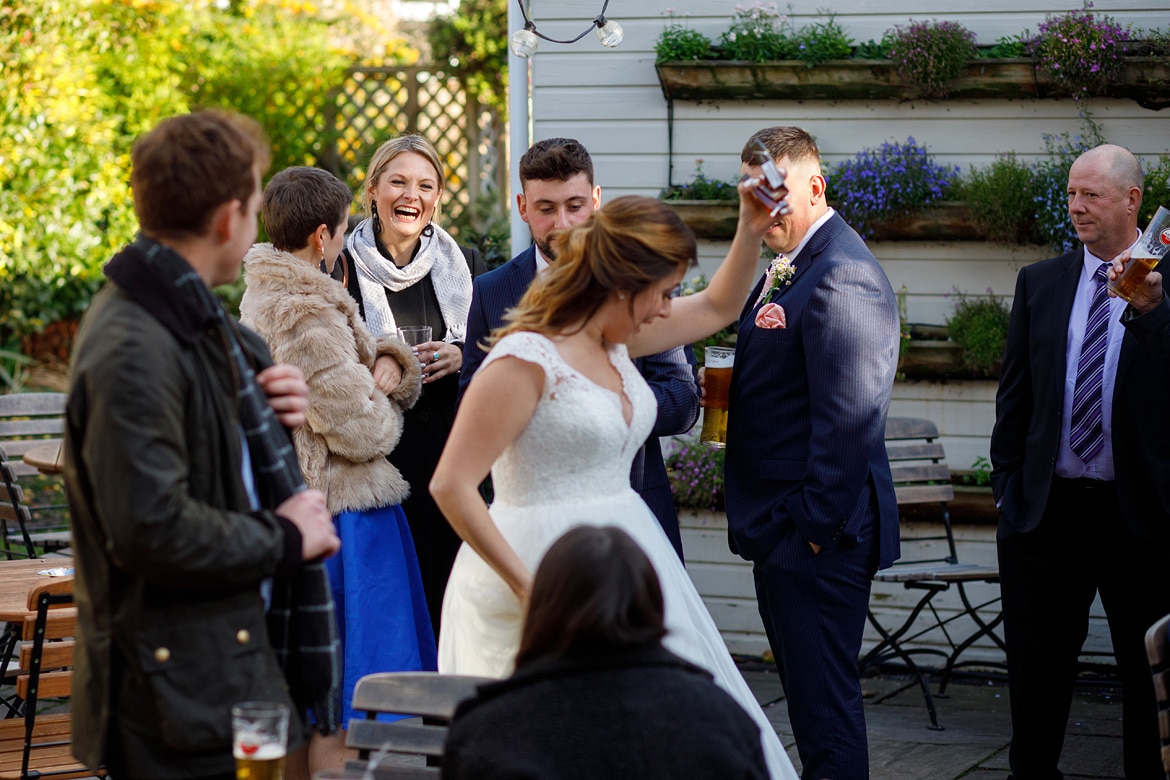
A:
x: 29, y: 421
x: 39, y: 745
x: 921, y: 476
x: 429, y: 695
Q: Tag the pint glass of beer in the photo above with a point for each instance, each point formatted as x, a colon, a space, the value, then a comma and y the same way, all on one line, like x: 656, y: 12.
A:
x: 1145, y: 255
x: 717, y: 384
x: 259, y: 739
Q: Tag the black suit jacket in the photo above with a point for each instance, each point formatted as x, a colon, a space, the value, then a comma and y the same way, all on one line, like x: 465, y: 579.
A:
x: 670, y: 374
x: 1026, y: 438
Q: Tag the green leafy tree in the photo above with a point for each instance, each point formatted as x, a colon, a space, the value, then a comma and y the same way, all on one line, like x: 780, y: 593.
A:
x: 474, y: 40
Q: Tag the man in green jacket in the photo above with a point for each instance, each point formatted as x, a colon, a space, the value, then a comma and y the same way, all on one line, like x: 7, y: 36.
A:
x: 173, y: 529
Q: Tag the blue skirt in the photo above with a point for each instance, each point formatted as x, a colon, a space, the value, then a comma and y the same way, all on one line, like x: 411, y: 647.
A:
x: 381, y: 609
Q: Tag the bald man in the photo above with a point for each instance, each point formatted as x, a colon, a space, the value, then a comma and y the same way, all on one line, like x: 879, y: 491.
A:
x: 1081, y: 472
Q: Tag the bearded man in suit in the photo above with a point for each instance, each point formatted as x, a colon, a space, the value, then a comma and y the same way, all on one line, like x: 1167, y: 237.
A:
x: 1080, y: 460
x: 810, y: 499
x: 556, y: 177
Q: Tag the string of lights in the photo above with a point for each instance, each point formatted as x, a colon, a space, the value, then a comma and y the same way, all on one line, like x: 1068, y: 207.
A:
x: 524, y: 42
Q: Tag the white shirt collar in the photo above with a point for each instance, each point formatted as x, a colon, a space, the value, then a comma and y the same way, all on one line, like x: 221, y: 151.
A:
x: 811, y: 231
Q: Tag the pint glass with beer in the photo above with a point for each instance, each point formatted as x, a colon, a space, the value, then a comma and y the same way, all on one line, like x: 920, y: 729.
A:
x: 1145, y: 255
x: 260, y: 739
x: 717, y: 384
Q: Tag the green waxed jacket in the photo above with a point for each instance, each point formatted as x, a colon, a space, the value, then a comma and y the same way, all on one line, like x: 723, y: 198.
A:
x: 169, y: 556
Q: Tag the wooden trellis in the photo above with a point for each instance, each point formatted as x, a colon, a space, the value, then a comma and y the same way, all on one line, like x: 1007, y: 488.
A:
x: 375, y: 104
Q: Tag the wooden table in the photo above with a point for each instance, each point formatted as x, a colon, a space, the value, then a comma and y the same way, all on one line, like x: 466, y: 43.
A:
x: 17, y: 578
x: 47, y: 459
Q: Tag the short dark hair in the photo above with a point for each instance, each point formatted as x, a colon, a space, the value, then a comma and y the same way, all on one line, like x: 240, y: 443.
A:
x: 299, y: 199
x: 190, y: 165
x: 556, y: 159
x: 594, y: 591
x: 783, y: 141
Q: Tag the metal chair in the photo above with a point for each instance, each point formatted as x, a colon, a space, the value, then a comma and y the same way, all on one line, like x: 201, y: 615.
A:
x: 1158, y: 651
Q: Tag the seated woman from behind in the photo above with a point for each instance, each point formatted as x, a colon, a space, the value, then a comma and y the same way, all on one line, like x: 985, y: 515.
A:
x: 595, y: 694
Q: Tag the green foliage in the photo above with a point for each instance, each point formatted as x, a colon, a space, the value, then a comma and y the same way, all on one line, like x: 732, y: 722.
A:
x: 820, y: 42
x: 755, y: 34
x: 485, y: 228
x: 475, y: 42
x: 1157, y: 189
x: 696, y: 474
x: 980, y: 326
x: 702, y: 188
x: 722, y: 338
x: 82, y: 78
x: 872, y: 50
x: 13, y: 370
x: 981, y: 472
x: 1002, y: 200
x: 679, y: 42
x: 931, y: 55
x: 1007, y: 47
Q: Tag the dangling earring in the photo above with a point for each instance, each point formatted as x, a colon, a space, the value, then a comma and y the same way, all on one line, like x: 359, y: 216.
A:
x: 377, y: 219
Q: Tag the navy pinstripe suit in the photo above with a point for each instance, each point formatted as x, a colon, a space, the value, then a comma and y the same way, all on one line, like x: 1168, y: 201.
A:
x: 806, y: 462
x: 670, y: 374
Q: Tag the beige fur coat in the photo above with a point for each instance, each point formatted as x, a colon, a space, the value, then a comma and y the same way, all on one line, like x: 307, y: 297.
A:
x: 310, y: 321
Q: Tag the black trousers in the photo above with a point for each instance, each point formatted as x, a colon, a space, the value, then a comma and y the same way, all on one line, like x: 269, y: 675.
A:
x: 1049, y: 578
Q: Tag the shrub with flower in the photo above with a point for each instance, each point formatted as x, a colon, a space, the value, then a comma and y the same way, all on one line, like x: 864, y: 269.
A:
x: 980, y: 325
x: 891, y: 181
x: 1082, y: 52
x: 755, y: 34
x: 701, y: 188
x: 820, y: 42
x: 696, y: 474
x: 679, y: 42
x: 931, y: 55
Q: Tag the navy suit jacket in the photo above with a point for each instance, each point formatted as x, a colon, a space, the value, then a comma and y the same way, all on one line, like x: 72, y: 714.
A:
x: 806, y: 425
x: 670, y: 374
x: 1029, y: 404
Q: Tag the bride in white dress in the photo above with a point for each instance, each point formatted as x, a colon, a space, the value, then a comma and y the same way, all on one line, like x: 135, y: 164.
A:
x: 557, y: 412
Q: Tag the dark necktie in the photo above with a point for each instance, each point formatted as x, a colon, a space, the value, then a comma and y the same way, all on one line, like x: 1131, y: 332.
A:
x: 1086, y: 437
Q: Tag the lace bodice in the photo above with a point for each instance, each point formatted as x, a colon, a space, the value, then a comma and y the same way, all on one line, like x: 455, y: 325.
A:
x: 577, y: 446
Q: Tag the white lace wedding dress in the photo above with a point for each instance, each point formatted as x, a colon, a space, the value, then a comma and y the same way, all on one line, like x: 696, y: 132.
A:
x: 571, y: 466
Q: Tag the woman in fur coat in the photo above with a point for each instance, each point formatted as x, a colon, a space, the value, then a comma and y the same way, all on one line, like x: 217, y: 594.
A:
x: 358, y: 388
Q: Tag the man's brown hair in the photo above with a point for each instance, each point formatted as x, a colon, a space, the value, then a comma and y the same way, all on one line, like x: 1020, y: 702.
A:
x: 556, y: 159
x: 190, y: 165
x: 783, y: 141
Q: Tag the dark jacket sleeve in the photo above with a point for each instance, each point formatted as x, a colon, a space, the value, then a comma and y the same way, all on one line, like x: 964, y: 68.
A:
x: 478, y: 328
x: 671, y: 375
x: 1152, y: 329
x: 1013, y: 405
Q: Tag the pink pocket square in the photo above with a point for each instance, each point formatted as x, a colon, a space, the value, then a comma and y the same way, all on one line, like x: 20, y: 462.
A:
x: 771, y: 315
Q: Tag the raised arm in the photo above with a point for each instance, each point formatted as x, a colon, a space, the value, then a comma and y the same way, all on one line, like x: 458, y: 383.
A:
x: 698, y: 316
x: 494, y: 411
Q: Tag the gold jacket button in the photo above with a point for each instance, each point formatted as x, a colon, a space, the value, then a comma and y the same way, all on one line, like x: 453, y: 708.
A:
x: 162, y: 655
x: 243, y: 636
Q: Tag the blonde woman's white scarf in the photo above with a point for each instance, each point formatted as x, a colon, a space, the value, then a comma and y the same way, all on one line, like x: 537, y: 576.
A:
x: 438, y: 255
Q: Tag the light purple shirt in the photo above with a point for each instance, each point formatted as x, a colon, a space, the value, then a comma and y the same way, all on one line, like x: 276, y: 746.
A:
x: 1068, y: 465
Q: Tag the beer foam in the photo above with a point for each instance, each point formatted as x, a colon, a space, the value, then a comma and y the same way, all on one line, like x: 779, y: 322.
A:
x: 266, y: 752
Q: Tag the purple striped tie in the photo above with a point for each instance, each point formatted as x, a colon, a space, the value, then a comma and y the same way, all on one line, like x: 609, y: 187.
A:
x: 1086, y: 437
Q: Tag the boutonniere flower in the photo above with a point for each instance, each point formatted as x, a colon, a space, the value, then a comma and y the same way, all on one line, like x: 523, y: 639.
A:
x: 778, y: 276
x: 770, y: 316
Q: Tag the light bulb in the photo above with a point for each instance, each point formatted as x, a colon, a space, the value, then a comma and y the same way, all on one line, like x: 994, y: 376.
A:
x: 523, y: 43
x: 610, y: 33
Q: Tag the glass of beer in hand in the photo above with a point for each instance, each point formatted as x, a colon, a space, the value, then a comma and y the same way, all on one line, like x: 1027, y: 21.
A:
x: 1145, y: 255
x: 260, y: 739
x: 717, y: 389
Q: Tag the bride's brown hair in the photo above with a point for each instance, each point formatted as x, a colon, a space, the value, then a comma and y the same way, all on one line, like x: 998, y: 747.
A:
x: 624, y: 247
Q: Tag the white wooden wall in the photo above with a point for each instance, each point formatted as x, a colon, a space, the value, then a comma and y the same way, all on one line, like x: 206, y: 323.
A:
x: 726, y: 585
x: 610, y: 100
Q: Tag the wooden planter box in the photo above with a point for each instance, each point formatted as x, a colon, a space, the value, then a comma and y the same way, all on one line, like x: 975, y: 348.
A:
x: 1146, y: 80
x: 943, y: 221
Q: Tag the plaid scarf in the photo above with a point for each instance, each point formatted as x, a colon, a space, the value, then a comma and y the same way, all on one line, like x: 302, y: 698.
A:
x: 301, y: 623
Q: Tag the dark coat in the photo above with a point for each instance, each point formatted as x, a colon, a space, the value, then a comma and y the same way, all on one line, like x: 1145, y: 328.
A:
x: 169, y: 556
x: 670, y: 375
x: 641, y: 714
x: 1026, y: 438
